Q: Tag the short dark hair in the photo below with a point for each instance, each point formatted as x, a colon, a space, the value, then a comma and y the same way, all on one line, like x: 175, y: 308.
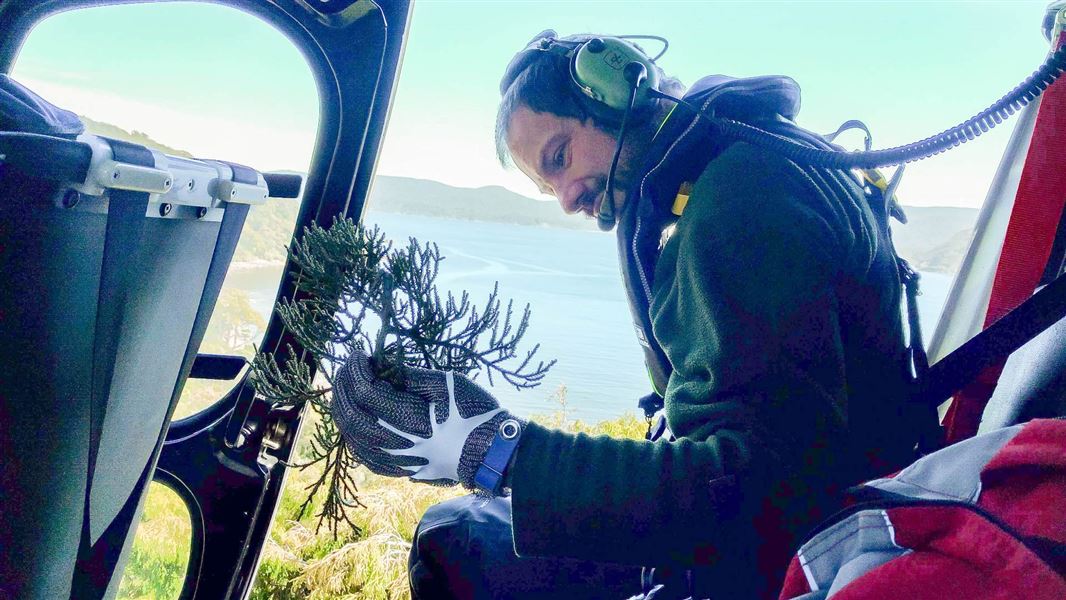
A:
x: 545, y: 86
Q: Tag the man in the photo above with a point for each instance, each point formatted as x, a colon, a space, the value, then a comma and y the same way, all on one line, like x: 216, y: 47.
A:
x: 767, y: 297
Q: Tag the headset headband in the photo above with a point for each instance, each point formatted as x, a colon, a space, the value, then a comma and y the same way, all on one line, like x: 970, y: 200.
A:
x: 596, y: 66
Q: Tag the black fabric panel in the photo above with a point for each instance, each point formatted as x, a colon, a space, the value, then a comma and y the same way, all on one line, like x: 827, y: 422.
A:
x: 49, y: 274
x: 23, y: 110
x: 217, y: 366
x: 229, y: 234
x: 66, y: 161
x: 125, y: 221
x: 283, y: 185
x: 95, y: 570
x: 161, y: 307
x: 125, y: 226
x: 131, y: 153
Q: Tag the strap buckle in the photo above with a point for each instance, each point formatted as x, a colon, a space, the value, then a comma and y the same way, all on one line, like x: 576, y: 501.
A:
x: 489, y: 476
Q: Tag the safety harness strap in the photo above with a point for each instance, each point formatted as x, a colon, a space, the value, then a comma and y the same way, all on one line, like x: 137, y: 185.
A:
x: 1038, y: 206
x: 993, y: 345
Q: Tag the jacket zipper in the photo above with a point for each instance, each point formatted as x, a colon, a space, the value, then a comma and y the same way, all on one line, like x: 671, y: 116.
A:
x: 636, y: 231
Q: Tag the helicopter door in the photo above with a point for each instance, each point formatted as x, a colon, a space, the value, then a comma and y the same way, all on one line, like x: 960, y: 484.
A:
x: 116, y: 244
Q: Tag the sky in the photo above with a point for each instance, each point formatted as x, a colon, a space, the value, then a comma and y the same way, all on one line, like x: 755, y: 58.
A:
x: 215, y: 81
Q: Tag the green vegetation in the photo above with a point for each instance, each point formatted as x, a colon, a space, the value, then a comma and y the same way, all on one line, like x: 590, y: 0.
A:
x: 366, y: 564
x: 267, y: 232
x: 160, y: 552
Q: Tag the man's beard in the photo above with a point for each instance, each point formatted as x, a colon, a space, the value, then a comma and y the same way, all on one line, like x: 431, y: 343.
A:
x: 626, y: 177
x: 622, y: 187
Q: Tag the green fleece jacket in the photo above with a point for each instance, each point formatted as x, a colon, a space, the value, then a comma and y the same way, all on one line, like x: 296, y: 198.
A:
x: 779, y: 312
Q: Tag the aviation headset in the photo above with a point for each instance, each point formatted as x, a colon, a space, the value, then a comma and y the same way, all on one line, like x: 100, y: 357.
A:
x: 613, y: 80
x: 603, y: 70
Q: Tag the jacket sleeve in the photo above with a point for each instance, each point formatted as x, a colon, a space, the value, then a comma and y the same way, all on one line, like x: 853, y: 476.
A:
x: 746, y: 312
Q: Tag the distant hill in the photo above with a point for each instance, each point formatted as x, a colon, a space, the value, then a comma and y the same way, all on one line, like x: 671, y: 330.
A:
x: 935, y: 239
x: 403, y: 195
x: 134, y: 137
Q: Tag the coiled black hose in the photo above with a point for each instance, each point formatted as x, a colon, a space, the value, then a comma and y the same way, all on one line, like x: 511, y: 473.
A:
x: 1013, y: 101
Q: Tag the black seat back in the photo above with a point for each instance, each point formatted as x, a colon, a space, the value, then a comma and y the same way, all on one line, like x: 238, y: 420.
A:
x: 1033, y: 384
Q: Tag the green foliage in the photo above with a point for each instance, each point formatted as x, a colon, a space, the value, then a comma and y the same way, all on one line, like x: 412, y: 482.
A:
x: 235, y: 325
x: 276, y: 580
x: 628, y: 426
x: 359, y: 293
x: 267, y: 232
x: 160, y: 552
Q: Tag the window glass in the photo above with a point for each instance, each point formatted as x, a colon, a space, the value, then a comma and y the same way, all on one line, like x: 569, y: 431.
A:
x: 197, y: 80
x: 439, y: 179
x: 160, y: 552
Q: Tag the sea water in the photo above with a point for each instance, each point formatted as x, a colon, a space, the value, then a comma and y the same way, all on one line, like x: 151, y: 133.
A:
x: 580, y: 317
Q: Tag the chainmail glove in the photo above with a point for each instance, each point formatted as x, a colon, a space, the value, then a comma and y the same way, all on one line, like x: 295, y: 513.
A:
x: 436, y: 429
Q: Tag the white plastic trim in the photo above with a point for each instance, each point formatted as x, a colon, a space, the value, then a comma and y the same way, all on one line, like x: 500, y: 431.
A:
x: 242, y: 193
x: 124, y: 176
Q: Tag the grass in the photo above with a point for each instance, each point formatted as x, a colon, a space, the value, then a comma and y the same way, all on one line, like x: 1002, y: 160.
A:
x: 160, y: 552
x: 302, y: 561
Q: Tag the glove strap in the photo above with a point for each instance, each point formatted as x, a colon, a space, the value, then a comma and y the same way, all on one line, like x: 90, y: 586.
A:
x: 489, y: 476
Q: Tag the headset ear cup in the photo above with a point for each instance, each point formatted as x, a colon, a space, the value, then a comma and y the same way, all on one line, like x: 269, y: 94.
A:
x: 598, y: 71
x: 603, y: 113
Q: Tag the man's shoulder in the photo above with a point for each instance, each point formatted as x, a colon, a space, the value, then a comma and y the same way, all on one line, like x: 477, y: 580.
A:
x: 744, y: 178
x: 747, y: 194
x: 746, y: 164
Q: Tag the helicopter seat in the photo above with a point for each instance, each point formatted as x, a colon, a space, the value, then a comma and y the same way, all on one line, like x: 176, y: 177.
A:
x: 1033, y: 383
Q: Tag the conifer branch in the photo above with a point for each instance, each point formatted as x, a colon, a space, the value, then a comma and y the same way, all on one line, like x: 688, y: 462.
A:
x: 359, y: 292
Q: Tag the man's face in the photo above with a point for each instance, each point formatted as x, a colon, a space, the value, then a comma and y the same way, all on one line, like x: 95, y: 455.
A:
x: 566, y: 158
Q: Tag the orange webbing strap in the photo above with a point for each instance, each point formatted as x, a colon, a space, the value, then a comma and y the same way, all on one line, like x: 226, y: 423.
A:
x: 1038, y: 207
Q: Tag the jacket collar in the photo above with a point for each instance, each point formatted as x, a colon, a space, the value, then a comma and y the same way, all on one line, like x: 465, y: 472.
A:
x: 669, y: 159
x: 681, y: 150
x: 749, y: 100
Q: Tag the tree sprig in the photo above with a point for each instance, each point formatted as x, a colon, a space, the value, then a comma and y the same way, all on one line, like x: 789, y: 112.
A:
x: 358, y: 291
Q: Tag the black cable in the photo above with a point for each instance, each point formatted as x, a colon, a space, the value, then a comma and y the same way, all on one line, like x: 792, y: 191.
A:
x: 1027, y: 91
x: 666, y: 43
x: 605, y: 218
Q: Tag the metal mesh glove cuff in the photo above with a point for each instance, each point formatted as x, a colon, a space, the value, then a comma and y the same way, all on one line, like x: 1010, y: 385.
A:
x: 477, y: 446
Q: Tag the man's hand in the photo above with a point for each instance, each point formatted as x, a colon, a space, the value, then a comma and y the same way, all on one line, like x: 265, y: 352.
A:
x: 436, y: 429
